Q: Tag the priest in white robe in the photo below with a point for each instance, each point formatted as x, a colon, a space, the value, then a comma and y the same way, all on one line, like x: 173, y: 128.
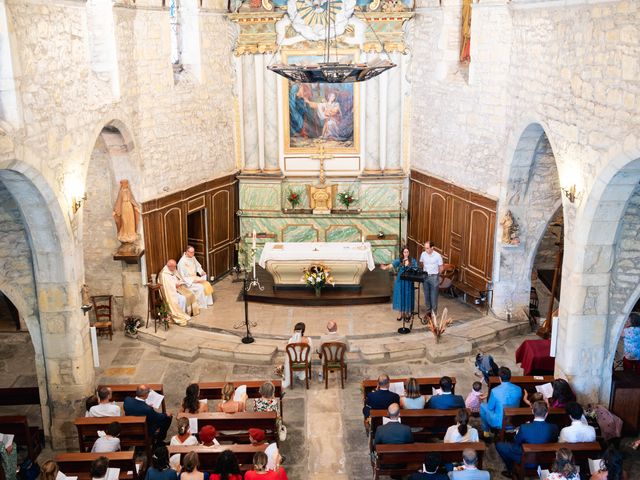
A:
x: 195, y: 278
x: 176, y: 302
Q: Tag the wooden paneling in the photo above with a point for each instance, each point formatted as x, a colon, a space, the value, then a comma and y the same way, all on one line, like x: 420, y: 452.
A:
x: 212, y: 206
x: 461, y: 224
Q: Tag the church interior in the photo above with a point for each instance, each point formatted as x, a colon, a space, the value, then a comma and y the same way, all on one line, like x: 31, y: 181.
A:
x: 432, y: 188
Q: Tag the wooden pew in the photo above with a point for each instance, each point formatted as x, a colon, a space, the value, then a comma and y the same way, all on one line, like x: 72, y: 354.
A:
x: 79, y: 464
x: 544, y: 455
x: 208, y: 456
x: 528, y: 382
x: 408, y: 458
x: 514, y: 417
x: 120, y: 392
x: 237, y: 421
x: 426, y: 384
x: 213, y: 390
x: 25, y: 436
x: 134, y: 432
x: 434, y: 423
x: 19, y: 396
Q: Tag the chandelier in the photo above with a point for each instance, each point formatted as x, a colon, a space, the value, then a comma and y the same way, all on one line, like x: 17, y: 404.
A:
x: 331, y: 70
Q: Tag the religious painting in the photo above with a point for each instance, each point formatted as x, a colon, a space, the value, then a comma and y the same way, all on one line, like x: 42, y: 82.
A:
x: 317, y: 113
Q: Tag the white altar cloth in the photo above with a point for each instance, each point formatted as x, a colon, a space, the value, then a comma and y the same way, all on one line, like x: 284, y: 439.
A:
x: 347, y: 260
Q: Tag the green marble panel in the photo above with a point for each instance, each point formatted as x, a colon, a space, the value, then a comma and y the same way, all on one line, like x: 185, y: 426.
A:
x: 300, y: 233
x: 380, y: 197
x: 383, y: 254
x: 343, y: 233
x: 300, y: 189
x: 260, y: 197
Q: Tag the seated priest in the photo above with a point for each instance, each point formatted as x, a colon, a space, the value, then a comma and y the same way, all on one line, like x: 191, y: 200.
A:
x: 195, y: 278
x: 173, y: 292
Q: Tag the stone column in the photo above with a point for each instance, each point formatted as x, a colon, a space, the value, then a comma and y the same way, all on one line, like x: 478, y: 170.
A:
x: 134, y: 292
x: 372, y: 113
x: 271, y: 157
x: 249, y: 116
x: 394, y: 118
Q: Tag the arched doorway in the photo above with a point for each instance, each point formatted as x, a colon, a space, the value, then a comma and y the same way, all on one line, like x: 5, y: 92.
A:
x: 602, y: 276
x: 111, y: 160
x: 40, y: 280
x: 533, y: 197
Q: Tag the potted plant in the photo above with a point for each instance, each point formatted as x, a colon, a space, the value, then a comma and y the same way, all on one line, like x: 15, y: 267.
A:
x: 164, y: 315
x: 293, y: 198
x: 131, y: 325
x: 439, y: 325
x: 317, y: 276
x: 346, y: 199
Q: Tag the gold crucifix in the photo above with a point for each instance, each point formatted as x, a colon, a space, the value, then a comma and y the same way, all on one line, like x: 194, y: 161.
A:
x: 322, y: 156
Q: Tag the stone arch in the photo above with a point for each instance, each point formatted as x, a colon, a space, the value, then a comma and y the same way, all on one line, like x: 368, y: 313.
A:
x: 111, y: 160
x: 603, y: 276
x: 60, y: 336
x: 533, y: 195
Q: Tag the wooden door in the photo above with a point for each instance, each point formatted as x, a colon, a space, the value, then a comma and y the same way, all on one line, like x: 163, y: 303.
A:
x: 197, y: 235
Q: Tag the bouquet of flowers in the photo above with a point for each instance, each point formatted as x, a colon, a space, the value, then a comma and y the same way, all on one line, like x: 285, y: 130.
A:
x: 131, y: 325
x: 346, y: 199
x: 317, y: 277
x: 439, y: 325
x: 293, y: 198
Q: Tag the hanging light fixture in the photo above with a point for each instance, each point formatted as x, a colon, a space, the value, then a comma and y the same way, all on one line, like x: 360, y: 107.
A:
x: 331, y: 70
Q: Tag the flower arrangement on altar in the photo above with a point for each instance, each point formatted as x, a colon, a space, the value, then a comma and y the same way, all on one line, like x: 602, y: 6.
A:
x: 439, y: 325
x: 346, y: 199
x: 317, y: 277
x: 293, y: 198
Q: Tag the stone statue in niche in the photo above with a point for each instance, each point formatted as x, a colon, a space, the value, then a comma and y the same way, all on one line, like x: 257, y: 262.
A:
x: 320, y: 198
x: 510, y: 229
x: 126, y: 213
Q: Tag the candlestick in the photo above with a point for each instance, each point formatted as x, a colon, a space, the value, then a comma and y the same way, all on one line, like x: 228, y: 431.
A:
x: 254, y: 239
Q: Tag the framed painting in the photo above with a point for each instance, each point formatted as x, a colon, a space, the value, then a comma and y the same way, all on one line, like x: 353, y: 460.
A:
x: 317, y: 113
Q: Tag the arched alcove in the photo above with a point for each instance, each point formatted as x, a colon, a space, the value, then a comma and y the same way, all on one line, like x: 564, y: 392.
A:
x: 533, y: 196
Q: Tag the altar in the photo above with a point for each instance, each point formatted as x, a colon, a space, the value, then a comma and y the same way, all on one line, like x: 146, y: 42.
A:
x: 347, y: 261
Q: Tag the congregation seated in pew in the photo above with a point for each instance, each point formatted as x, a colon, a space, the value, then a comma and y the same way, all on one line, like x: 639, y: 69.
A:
x: 446, y: 399
x: 266, y: 402
x: 105, y: 407
x: 393, y: 431
x: 469, y: 469
x: 461, y: 432
x: 160, y: 468
x: 579, y: 430
x: 226, y: 468
x: 192, y: 403
x: 503, y: 396
x: 109, y: 442
x: 430, y: 469
x: 260, y: 471
x: 412, y: 399
x: 184, y: 435
x: 158, y: 423
x: 229, y: 404
x: 380, y: 398
x: 207, y: 435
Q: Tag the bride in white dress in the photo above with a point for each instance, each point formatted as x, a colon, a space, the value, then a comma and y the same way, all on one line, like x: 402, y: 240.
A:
x: 297, y: 337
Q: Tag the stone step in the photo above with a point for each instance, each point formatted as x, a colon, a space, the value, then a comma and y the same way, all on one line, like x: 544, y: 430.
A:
x: 459, y: 341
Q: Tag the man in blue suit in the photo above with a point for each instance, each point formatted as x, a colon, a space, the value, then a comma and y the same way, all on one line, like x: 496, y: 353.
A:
x: 393, y: 432
x: 470, y: 472
x: 157, y: 422
x: 505, y: 395
x: 446, y: 400
x: 536, y: 432
x: 381, y: 398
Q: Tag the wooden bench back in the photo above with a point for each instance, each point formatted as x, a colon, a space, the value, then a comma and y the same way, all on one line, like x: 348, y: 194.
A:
x: 208, y: 456
x: 79, y: 464
x: 120, y: 392
x: 134, y: 431
x: 426, y: 384
x: 20, y: 396
x: 408, y: 458
x: 432, y: 421
x: 237, y: 421
x: 31, y: 437
x: 544, y: 455
x: 526, y: 382
x: 514, y: 417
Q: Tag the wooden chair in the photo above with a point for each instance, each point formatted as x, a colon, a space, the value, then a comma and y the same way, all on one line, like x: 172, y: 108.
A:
x: 446, y: 279
x: 333, y: 356
x: 102, y: 307
x: 299, y: 360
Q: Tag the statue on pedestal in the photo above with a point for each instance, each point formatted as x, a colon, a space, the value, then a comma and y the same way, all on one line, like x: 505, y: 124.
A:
x: 126, y: 214
x: 510, y: 229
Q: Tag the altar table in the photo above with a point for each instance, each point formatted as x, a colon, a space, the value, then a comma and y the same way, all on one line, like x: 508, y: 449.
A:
x: 346, y: 261
x: 534, y: 357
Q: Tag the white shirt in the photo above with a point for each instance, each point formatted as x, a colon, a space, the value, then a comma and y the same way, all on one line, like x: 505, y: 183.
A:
x: 191, y: 440
x: 431, y: 263
x: 106, y: 444
x: 105, y: 410
x: 453, y: 435
x: 577, y: 432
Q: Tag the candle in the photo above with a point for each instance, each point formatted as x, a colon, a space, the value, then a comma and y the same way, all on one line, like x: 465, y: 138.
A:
x: 254, y: 239
x: 362, y: 238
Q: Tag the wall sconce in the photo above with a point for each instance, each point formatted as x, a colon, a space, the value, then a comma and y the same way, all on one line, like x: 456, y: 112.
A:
x: 572, y: 193
x: 76, y: 203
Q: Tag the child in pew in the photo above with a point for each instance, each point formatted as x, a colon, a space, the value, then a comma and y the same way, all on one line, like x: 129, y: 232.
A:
x: 207, y: 436
x: 109, y: 441
x: 184, y: 436
x: 475, y: 398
